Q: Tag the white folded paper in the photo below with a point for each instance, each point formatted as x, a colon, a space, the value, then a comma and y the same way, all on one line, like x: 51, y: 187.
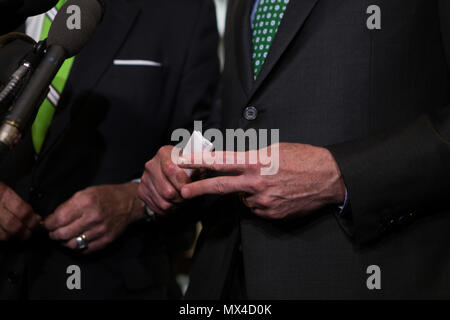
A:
x: 196, y: 144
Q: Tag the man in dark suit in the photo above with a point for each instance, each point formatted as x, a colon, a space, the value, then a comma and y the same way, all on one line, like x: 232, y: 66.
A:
x: 360, y: 91
x: 150, y: 68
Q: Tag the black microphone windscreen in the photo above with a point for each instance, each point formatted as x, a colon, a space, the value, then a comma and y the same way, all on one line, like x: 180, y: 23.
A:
x: 65, y: 30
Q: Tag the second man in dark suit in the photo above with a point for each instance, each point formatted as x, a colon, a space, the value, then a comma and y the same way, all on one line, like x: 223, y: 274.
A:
x: 150, y: 68
x: 358, y: 208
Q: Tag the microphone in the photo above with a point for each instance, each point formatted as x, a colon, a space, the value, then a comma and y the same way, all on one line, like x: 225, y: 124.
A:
x: 62, y: 43
x: 21, y: 75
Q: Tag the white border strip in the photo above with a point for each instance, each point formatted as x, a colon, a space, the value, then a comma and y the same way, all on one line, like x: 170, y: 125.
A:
x: 52, y: 14
x: 53, y: 96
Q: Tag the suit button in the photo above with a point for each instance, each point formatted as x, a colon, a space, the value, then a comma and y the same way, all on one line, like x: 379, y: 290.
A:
x: 250, y: 113
x: 13, y: 277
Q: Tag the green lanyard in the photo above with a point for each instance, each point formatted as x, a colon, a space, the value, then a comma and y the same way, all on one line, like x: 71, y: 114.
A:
x: 47, y: 109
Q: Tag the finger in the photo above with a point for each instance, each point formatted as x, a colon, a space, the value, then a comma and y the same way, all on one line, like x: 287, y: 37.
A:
x: 168, y: 184
x: 13, y: 226
x: 33, y: 222
x: 92, y: 235
x: 144, y: 194
x: 30, y: 220
x: 70, y: 231
x: 154, y: 176
x: 36, y: 222
x: 147, y: 192
x: 218, y: 185
x: 21, y: 210
x: 173, y: 173
x: 64, y: 215
x: 162, y: 205
x: 227, y: 162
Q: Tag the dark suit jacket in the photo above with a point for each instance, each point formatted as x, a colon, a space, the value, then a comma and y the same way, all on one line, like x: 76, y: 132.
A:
x: 378, y: 99
x: 111, y: 120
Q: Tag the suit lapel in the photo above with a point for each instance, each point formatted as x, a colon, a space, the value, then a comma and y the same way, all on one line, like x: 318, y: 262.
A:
x: 91, y: 64
x: 296, y: 14
x: 242, y: 35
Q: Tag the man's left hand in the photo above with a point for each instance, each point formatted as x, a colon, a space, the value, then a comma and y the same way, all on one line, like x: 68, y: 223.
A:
x: 100, y: 213
x: 308, y: 178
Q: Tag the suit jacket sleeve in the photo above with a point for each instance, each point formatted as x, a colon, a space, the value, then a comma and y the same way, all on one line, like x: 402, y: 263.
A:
x: 400, y: 174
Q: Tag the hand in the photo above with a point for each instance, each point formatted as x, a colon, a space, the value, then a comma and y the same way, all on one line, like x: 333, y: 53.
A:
x: 308, y: 178
x: 162, y: 182
x: 101, y: 213
x: 17, y: 218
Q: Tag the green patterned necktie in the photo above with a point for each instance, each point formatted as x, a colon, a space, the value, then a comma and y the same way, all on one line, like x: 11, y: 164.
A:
x: 47, y: 109
x: 266, y: 20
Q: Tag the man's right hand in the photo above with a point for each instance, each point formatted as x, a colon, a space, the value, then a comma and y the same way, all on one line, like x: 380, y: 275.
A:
x: 17, y: 218
x: 162, y: 182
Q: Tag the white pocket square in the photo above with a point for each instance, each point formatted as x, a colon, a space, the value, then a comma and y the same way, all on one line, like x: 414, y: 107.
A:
x: 148, y: 63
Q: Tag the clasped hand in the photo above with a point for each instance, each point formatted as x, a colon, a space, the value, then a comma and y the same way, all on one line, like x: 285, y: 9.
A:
x: 307, y: 179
